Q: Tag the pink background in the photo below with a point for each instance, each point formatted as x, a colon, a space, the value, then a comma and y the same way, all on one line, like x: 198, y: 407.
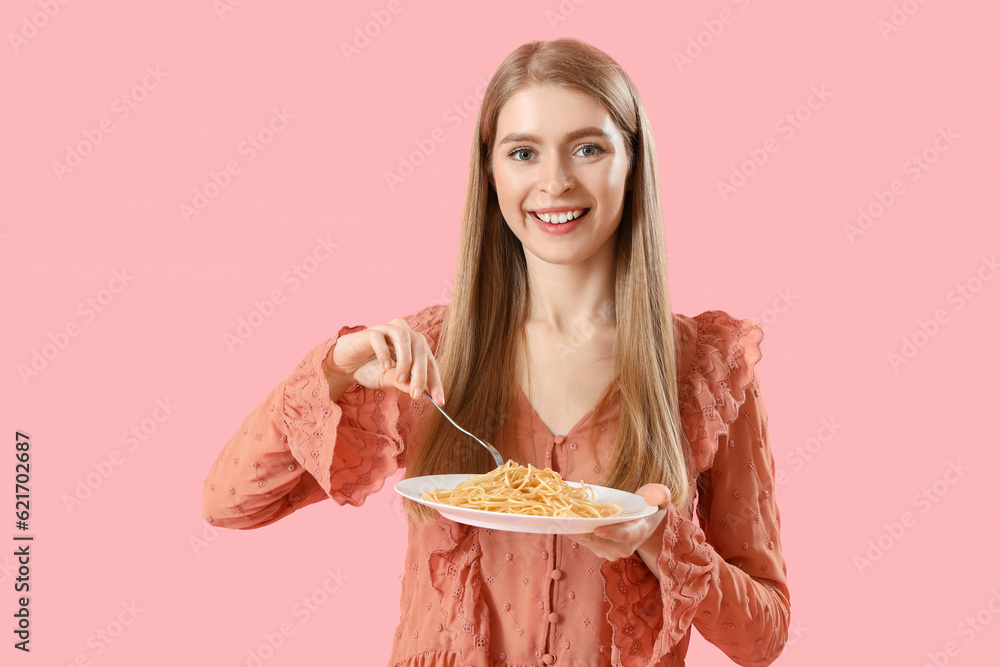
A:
x: 775, y: 250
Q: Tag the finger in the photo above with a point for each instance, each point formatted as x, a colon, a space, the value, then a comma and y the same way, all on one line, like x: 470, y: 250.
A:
x: 381, y: 348
x: 605, y: 533
x: 655, y: 494
x: 404, y: 358
x: 627, y: 531
x: 590, y: 541
x: 437, y: 385
x: 418, y: 378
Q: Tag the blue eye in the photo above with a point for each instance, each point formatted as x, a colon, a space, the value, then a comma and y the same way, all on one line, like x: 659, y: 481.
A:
x: 594, y: 148
x: 597, y: 150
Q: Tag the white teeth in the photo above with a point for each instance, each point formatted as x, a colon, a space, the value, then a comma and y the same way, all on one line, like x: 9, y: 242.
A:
x: 559, y: 218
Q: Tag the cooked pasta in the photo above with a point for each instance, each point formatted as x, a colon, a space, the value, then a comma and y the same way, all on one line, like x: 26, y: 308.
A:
x: 514, y: 489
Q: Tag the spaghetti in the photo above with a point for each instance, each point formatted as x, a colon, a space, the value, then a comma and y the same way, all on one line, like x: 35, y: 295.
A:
x: 514, y: 489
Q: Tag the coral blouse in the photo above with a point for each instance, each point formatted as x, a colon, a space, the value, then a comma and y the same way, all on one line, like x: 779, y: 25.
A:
x: 475, y: 597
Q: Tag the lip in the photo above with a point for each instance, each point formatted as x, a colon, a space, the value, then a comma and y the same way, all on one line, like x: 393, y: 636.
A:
x: 559, y: 209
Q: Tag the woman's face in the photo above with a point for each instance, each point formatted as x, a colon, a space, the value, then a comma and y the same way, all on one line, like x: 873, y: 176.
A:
x: 558, y: 151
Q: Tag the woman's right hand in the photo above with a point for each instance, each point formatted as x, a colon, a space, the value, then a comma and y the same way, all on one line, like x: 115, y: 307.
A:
x: 387, y: 356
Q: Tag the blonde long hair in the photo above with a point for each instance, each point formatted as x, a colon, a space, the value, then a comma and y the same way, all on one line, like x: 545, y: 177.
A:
x: 482, y: 333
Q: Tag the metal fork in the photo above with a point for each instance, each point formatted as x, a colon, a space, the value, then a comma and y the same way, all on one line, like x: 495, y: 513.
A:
x: 491, y: 448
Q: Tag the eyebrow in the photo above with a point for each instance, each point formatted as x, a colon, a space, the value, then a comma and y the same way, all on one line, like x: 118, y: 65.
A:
x: 515, y: 137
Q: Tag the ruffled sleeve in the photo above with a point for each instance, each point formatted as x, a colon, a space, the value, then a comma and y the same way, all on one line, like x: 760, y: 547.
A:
x: 298, y: 447
x: 727, y: 580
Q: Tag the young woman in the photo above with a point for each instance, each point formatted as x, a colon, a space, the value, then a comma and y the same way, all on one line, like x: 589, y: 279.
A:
x: 559, y: 347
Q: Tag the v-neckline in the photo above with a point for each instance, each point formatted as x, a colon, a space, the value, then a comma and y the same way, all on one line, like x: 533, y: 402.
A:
x: 582, y: 421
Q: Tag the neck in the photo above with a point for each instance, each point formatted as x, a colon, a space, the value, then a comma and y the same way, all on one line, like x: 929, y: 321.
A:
x: 565, y: 295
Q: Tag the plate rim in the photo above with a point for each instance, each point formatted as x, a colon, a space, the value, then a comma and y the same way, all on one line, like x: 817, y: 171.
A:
x: 542, y: 524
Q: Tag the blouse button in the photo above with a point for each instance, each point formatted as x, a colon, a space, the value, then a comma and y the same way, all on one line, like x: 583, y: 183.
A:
x: 571, y: 595
x: 556, y: 574
x: 554, y: 618
x: 560, y: 439
x: 548, y: 658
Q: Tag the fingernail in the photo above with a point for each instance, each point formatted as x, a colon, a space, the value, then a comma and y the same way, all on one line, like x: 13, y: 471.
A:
x: 386, y: 365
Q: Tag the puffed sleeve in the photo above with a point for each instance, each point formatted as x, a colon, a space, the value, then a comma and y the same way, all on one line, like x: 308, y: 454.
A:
x: 746, y: 609
x: 727, y: 580
x: 298, y: 447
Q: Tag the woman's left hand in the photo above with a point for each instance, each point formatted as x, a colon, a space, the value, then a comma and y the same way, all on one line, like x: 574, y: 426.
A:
x: 620, y: 540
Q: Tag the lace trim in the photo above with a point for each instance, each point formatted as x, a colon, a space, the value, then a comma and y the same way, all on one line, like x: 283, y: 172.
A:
x: 310, y: 420
x: 352, y: 446
x: 454, y: 572
x: 715, y: 368
x: 642, y: 605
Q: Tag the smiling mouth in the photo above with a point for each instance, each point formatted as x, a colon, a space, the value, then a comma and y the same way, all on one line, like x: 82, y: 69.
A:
x: 559, y: 218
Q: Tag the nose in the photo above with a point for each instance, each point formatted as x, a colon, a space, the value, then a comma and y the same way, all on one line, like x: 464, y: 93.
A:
x: 555, y: 175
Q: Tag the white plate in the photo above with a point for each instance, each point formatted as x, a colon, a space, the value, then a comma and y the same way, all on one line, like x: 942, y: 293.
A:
x: 633, y: 507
